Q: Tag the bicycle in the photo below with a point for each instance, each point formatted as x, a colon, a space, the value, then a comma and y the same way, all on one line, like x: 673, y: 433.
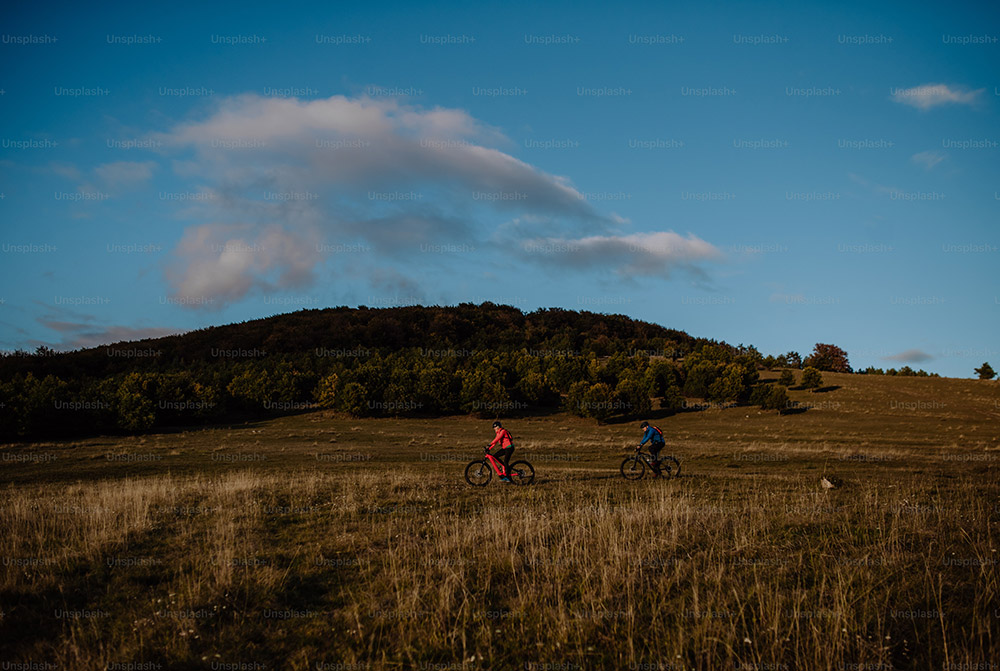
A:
x: 634, y: 467
x: 479, y: 472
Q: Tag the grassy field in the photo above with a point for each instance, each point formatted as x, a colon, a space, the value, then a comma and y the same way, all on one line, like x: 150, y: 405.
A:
x: 323, y: 542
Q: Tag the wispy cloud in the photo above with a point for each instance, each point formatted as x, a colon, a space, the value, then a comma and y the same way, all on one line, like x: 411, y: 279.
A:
x: 928, y: 159
x: 654, y: 254
x: 81, y: 334
x: 124, y: 173
x: 115, y: 176
x: 909, y: 356
x: 927, y: 96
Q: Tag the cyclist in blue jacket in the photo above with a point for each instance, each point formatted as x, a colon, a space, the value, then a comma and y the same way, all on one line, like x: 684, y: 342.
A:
x: 654, y: 437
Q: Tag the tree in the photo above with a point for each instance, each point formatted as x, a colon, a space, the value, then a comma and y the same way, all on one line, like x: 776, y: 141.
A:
x: 672, y: 399
x: 828, y: 357
x: 598, y: 402
x: 326, y: 391
x: 353, y: 399
x: 267, y: 384
x: 632, y: 398
x: 787, y: 378
x: 436, y: 390
x: 769, y: 397
x: 777, y: 399
x: 699, y: 378
x: 985, y: 372
x: 727, y: 387
x: 575, y: 398
x: 811, y: 378
x: 136, y: 411
x: 536, y: 390
x: 660, y: 376
x: 483, y: 394
x: 789, y: 360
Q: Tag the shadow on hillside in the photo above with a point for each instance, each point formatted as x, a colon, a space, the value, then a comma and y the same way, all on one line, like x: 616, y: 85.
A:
x: 657, y: 414
x: 823, y: 390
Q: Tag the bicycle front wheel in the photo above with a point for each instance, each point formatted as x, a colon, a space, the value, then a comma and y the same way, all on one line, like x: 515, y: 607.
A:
x: 633, y: 468
x: 522, y: 473
x: 478, y: 473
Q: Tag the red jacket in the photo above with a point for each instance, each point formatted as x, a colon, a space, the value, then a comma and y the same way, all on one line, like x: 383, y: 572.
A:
x: 504, y: 438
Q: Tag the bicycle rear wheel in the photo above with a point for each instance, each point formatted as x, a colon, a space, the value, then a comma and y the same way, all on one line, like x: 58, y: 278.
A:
x: 522, y: 473
x: 478, y: 473
x: 670, y: 467
x: 633, y: 468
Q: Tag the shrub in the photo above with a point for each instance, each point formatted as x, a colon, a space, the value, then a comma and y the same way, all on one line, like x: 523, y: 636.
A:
x: 811, y: 378
x: 787, y: 378
x: 777, y: 399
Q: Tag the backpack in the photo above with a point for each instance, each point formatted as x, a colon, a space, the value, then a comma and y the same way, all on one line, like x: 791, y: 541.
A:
x: 658, y: 438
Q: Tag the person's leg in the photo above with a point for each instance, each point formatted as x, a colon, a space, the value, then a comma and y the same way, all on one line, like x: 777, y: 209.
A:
x: 506, y: 460
x: 655, y: 451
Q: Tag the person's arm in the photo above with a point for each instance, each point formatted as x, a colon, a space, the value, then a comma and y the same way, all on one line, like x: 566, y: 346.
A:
x: 495, y: 440
x: 646, y: 437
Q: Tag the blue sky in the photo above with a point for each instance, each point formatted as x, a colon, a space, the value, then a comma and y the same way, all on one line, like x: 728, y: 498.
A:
x: 770, y: 174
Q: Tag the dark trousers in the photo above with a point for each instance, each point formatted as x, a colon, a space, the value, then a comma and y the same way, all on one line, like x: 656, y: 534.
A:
x: 654, y: 449
x: 505, y: 453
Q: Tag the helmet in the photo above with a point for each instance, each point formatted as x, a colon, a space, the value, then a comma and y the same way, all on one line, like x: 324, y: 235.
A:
x: 644, y: 425
x: 496, y: 424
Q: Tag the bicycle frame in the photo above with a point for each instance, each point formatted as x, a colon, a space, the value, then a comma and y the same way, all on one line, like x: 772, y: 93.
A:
x: 497, y: 466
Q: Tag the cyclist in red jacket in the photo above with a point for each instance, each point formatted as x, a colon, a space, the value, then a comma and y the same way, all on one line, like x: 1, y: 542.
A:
x: 506, y: 442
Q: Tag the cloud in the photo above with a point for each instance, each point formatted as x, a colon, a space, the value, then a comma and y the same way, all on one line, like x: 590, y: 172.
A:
x: 655, y: 254
x: 222, y: 262
x: 76, y: 335
x: 909, y: 356
x: 302, y: 173
x: 401, y: 233
x: 927, y: 96
x: 366, y: 144
x: 928, y: 159
x: 124, y: 173
x: 66, y: 170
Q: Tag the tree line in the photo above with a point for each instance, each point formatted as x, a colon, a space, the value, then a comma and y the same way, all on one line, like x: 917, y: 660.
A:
x: 487, y: 360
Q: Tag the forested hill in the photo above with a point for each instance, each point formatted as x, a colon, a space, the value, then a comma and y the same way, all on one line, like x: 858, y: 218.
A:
x: 486, y: 359
x: 340, y: 332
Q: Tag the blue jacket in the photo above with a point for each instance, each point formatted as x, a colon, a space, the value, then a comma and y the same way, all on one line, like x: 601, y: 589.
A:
x: 652, y: 436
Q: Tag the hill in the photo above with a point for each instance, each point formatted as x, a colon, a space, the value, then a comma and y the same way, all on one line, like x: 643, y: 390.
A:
x: 353, y: 331
x: 408, y: 360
